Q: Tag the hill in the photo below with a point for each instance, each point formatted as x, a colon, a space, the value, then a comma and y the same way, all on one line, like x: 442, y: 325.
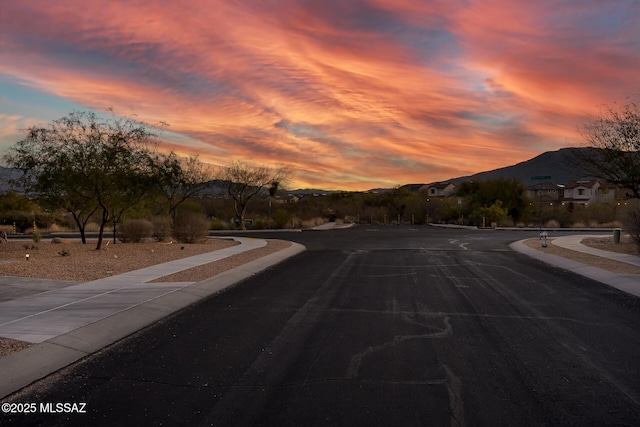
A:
x: 561, y: 165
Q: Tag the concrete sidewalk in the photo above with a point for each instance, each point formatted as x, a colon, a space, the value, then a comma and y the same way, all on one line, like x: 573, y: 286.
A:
x: 629, y: 283
x: 72, y: 322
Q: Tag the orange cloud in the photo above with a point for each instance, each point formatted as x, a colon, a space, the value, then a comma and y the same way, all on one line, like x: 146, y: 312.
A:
x: 352, y: 95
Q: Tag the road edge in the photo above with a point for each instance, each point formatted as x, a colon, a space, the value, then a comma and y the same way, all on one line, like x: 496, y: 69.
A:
x: 621, y: 282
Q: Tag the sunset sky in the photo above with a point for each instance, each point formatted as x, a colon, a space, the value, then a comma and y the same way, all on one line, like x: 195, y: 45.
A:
x: 351, y: 94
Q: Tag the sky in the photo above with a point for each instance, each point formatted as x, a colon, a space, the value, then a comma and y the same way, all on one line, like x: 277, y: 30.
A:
x: 349, y: 94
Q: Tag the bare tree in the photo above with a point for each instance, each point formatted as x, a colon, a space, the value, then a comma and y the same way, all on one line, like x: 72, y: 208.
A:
x: 614, y: 137
x: 243, y: 181
x: 181, y: 178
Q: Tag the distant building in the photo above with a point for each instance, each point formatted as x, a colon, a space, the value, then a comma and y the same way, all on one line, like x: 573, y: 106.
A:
x: 580, y: 192
x: 439, y: 189
x: 547, y: 192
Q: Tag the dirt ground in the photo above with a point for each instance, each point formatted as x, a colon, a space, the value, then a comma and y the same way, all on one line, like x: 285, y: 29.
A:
x: 626, y: 245
x: 72, y: 260
x: 606, y: 244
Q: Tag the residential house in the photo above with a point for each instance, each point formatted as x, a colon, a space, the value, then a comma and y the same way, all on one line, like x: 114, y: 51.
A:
x: 439, y: 189
x: 581, y: 192
x: 546, y: 192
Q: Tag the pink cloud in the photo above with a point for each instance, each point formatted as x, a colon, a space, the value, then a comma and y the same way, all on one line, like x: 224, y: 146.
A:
x: 352, y: 95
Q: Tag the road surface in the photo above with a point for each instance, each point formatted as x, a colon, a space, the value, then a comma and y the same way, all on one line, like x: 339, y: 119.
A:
x: 393, y: 325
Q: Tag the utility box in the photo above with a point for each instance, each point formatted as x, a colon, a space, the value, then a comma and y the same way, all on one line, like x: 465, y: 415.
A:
x: 616, y: 235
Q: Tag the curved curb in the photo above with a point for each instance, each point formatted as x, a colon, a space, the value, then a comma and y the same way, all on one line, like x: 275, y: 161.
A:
x: 22, y: 368
x: 625, y: 283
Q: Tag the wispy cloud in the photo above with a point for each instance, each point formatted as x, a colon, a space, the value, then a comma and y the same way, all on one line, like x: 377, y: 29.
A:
x: 351, y: 94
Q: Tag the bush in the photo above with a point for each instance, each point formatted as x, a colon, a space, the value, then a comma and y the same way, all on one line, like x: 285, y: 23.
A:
x: 218, y: 224
x: 190, y: 227
x: 495, y: 213
x: 281, y: 218
x: 260, y: 223
x: 161, y: 227
x: 135, y: 230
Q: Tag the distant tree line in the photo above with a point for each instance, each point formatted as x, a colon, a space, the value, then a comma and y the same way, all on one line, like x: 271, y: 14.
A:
x: 107, y: 170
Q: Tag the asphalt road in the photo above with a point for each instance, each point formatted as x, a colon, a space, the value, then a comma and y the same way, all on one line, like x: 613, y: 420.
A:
x: 376, y: 326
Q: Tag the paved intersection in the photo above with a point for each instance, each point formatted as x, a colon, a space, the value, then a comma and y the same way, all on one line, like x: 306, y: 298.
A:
x: 378, y: 325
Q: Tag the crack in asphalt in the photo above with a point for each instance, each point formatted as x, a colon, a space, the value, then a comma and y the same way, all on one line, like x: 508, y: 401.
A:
x: 356, y: 360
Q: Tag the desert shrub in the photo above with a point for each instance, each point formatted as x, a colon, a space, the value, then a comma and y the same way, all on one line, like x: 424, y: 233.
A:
x: 190, y: 226
x: 161, y: 227
x: 135, y: 230
x: 23, y: 220
x: 312, y: 222
x: 492, y: 214
x: 281, y: 218
x: 613, y: 224
x: 552, y: 224
x: 259, y: 223
x: 217, y: 224
x: 602, y: 212
x: 632, y: 221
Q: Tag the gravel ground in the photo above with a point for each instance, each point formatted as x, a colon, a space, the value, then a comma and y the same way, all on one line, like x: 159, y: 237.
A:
x: 84, y: 263
x: 626, y: 245
x: 8, y: 346
x: 205, y: 271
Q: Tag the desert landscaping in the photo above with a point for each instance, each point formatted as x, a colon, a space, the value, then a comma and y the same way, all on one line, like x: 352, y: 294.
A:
x: 73, y: 261
x: 625, y: 246
x: 62, y: 259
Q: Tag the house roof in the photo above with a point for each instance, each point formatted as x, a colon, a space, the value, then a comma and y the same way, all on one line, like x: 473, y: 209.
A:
x: 583, y: 183
x: 545, y: 186
x: 440, y: 185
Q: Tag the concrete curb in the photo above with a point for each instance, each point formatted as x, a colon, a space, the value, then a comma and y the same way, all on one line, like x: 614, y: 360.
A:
x: 24, y: 367
x: 626, y: 283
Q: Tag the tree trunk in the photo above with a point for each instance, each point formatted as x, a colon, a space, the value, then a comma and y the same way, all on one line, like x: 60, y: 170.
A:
x: 82, y: 225
x: 240, y: 209
x: 103, y: 223
x: 243, y: 226
x: 81, y: 228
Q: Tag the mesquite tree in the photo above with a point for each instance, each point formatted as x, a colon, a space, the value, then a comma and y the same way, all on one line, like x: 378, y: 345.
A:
x: 243, y: 181
x: 90, y: 166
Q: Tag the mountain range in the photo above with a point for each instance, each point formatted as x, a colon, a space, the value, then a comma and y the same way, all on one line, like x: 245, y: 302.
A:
x: 561, y: 166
